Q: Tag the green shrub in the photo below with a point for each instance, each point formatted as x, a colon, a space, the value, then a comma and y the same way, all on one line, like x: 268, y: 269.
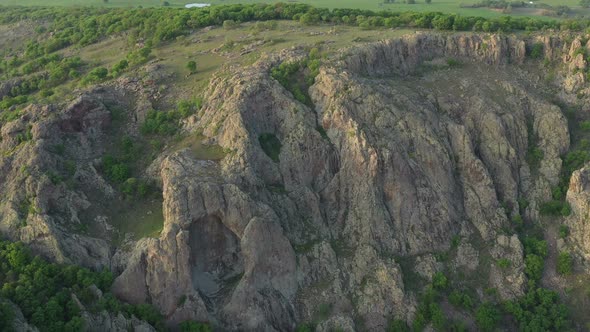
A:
x: 139, y: 56
x: 534, y: 267
x: 535, y: 246
x: 522, y: 204
x: 134, y: 188
x: 54, y: 177
x: 534, y: 156
x: 437, y: 317
x: 95, y: 75
x: 296, y: 77
x: 537, y: 51
x: 539, y: 310
x: 487, y: 317
x: 119, y: 67
x: 564, y: 263
x: 43, y: 291
x: 504, y: 263
x: 186, y: 108
x: 192, y: 326
x: 192, y: 66
x: 453, y: 62
x: 439, y: 281
x: 575, y: 160
x: 271, y: 145
x: 6, y: 317
x: 557, y: 193
x: 160, y: 123
x: 585, y: 125
x: 566, y: 209
x: 114, y: 169
x: 555, y: 208
x: 518, y: 222
x: 564, y: 231
x: 455, y: 241
x: 398, y: 325
x: 461, y: 300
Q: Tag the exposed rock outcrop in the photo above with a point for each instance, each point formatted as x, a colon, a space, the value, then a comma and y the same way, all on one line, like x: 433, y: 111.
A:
x: 408, y: 163
x: 49, y: 180
x: 578, y: 196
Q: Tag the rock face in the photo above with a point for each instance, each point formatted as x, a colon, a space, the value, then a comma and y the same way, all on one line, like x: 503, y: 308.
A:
x: 105, y: 321
x: 395, y: 160
x: 578, y: 196
x: 49, y: 178
x: 412, y: 160
x: 37, y: 207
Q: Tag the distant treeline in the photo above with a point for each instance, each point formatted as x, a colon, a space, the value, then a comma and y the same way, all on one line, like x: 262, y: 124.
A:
x: 507, y: 6
x: 83, y: 25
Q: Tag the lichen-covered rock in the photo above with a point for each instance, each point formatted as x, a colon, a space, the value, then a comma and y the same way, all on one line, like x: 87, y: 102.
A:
x: 337, y: 323
x: 467, y: 257
x: 37, y: 207
x: 427, y: 265
x: 407, y: 162
x: 578, y: 197
x: 402, y: 153
x: 104, y: 321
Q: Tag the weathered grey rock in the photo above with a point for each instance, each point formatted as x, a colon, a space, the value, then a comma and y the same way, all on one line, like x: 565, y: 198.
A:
x: 34, y: 208
x: 408, y: 162
x: 399, y: 154
x: 467, y: 257
x: 427, y: 265
x: 578, y: 197
x: 336, y: 323
x: 105, y: 321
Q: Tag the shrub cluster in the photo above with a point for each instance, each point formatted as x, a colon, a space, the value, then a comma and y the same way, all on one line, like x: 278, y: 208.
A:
x: 44, y: 293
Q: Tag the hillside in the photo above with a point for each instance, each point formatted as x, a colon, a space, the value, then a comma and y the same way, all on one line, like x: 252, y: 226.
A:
x: 282, y: 168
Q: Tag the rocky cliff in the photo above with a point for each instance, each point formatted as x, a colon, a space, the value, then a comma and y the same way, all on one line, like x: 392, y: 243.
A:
x: 411, y: 159
x: 414, y: 158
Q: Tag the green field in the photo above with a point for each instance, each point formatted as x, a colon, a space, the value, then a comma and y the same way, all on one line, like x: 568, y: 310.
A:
x: 448, y: 6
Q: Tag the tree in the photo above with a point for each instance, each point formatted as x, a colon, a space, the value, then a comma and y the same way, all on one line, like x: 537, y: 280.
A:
x: 487, y: 317
x: 585, y: 3
x: 192, y: 326
x: 564, y: 263
x: 533, y: 266
x: 398, y: 325
x: 6, y: 316
x: 428, y: 1
x: 439, y: 281
x: 119, y: 67
x: 192, y: 66
x: 95, y: 75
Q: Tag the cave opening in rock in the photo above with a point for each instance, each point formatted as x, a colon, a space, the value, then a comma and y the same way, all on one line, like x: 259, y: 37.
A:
x: 215, y: 256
